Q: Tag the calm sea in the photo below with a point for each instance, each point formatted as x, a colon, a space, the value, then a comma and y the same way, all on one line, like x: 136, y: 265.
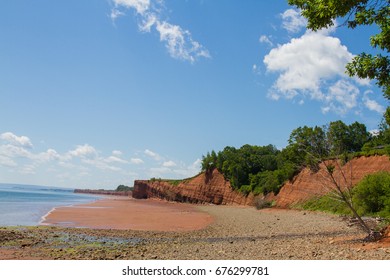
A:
x: 26, y: 205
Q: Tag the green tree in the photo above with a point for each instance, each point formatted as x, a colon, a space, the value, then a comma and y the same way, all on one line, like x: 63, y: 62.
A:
x: 322, y: 14
x: 358, y: 136
x: 312, y: 140
x: 238, y: 165
x: 384, y: 130
x: 372, y: 194
x: 338, y: 138
x: 123, y: 188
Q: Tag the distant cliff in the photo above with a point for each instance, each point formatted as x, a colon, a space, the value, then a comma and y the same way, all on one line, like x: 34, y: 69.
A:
x: 103, y: 192
x: 204, y: 188
x: 213, y: 188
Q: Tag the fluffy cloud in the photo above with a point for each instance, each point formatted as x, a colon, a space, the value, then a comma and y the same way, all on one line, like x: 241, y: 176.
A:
x: 371, y: 104
x: 114, y: 159
x: 180, y: 43
x: 306, y: 64
x: 170, y: 169
x: 141, y: 6
x: 49, y: 155
x: 185, y: 171
x: 117, y: 153
x: 81, y: 165
x: 341, y: 98
x: 177, y: 40
x: 84, y: 151
x: 15, y: 152
x: 15, y: 149
x: 7, y: 162
x: 169, y: 163
x: 22, y: 141
x: 292, y: 21
x: 16, y: 156
x: 136, y: 161
x: 266, y: 39
x: 312, y: 66
x: 152, y: 154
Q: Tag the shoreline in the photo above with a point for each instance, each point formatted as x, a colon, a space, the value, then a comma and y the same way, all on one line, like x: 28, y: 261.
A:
x: 43, y: 218
x: 125, y: 213
x: 235, y: 233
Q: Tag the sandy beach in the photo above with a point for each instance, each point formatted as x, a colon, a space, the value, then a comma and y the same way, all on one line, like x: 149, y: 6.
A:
x: 148, y: 229
x: 126, y: 213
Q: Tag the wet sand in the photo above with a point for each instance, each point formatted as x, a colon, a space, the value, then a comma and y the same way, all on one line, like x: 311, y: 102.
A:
x: 236, y: 232
x: 126, y: 213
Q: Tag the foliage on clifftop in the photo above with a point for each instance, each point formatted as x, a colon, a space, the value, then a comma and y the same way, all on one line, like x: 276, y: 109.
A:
x: 264, y: 169
x: 123, y: 188
x: 257, y: 169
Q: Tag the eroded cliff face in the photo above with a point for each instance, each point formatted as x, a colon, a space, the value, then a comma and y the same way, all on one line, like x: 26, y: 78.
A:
x: 308, y: 184
x: 213, y: 188
x: 204, y: 188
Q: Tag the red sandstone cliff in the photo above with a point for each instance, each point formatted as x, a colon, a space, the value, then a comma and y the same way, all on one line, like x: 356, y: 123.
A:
x: 213, y: 188
x: 308, y: 184
x: 204, y: 188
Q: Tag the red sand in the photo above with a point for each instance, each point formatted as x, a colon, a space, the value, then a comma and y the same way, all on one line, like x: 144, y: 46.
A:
x: 128, y: 213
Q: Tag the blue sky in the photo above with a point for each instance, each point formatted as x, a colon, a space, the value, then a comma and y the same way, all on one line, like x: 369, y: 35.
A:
x: 98, y: 93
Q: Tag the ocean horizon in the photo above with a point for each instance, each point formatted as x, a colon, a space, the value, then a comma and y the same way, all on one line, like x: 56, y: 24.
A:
x: 26, y: 205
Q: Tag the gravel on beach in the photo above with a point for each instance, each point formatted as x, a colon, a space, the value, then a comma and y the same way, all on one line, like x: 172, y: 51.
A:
x: 236, y: 233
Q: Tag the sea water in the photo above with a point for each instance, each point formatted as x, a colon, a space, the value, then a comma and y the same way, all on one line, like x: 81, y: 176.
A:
x: 26, y: 205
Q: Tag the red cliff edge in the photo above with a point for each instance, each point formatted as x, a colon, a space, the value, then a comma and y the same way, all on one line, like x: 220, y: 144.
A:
x: 204, y: 188
x: 213, y: 188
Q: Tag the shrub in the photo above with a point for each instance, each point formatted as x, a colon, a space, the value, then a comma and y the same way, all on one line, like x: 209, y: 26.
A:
x: 372, y: 195
x: 261, y: 203
x: 327, y: 203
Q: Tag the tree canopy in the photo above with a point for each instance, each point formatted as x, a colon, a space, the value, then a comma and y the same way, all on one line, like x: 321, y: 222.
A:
x: 323, y: 13
x: 264, y: 169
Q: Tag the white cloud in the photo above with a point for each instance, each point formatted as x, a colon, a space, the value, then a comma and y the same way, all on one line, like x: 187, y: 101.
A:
x: 177, y: 40
x: 292, y: 21
x: 170, y: 169
x: 12, y: 151
x: 84, y: 151
x: 189, y: 171
x: 114, y: 159
x: 100, y: 164
x: 141, y: 6
x: 160, y: 172
x: 115, y: 14
x: 148, y: 22
x: 342, y: 97
x: 29, y: 169
x: 22, y: 141
x: 371, y: 104
x: 7, y: 162
x: 136, y: 161
x: 266, y: 39
x: 152, y: 154
x: 49, y: 155
x: 308, y: 63
x: 117, y: 153
x: 169, y: 163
